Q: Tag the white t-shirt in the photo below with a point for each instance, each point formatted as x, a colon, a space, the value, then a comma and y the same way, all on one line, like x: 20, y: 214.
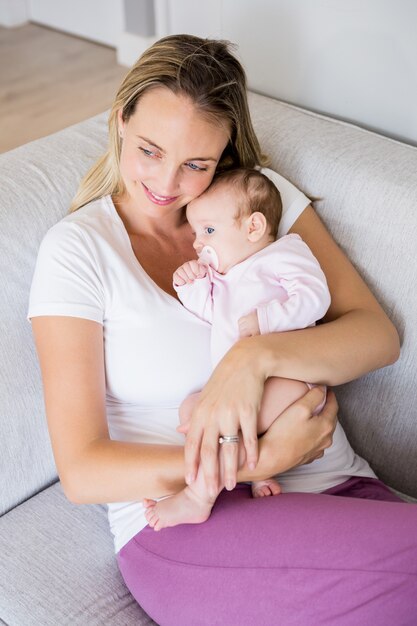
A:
x: 156, y: 352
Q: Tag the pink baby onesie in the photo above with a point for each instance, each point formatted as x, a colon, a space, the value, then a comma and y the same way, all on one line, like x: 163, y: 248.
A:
x: 283, y: 282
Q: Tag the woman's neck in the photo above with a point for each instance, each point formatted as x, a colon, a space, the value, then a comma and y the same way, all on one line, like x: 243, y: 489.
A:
x: 138, y: 223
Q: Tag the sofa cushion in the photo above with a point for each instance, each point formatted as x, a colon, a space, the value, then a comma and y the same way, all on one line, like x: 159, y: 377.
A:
x: 58, y: 566
x: 365, y: 189
x: 38, y: 181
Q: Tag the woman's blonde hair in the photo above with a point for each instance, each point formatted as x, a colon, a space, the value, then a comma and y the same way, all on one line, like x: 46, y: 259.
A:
x: 202, y: 69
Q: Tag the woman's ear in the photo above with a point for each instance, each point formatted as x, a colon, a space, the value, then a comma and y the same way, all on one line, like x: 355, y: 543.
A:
x: 256, y: 225
x: 120, y: 123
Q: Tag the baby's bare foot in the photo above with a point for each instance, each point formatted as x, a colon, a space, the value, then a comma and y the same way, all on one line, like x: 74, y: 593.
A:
x: 262, y: 488
x: 184, y: 507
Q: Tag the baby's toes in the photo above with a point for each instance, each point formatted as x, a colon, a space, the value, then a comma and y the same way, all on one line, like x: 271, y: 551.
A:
x: 153, y: 520
x: 275, y: 489
x: 157, y: 526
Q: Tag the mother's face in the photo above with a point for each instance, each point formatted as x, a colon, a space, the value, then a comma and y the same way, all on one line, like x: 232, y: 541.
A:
x: 170, y: 151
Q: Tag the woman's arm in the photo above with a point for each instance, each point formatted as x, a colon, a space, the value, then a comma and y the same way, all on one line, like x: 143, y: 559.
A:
x: 356, y: 338
x: 91, y: 466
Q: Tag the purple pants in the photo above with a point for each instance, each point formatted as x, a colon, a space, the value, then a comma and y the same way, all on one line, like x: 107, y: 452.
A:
x: 347, y: 557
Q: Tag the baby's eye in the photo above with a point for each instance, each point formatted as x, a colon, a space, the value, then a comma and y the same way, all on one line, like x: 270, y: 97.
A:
x: 209, y: 230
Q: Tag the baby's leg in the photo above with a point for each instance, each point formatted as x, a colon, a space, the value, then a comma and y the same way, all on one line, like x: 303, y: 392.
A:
x: 192, y: 505
x: 185, y: 411
x: 279, y: 393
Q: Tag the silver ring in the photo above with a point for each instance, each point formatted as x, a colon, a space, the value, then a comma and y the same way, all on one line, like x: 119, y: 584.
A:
x: 229, y: 439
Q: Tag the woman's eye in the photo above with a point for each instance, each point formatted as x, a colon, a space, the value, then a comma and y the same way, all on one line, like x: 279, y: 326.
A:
x: 147, y: 152
x: 196, y: 168
x: 209, y: 230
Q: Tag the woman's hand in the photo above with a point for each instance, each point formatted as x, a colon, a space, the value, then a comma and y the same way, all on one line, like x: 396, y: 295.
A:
x: 297, y: 436
x: 229, y: 405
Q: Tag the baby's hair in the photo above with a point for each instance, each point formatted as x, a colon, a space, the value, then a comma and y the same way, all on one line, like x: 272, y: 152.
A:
x: 255, y: 193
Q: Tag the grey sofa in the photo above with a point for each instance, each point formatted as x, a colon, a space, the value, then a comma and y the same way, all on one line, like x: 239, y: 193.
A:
x: 57, y: 564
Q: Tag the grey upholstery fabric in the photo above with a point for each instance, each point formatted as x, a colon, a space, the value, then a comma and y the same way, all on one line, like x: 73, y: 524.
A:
x: 38, y: 182
x: 366, y: 185
x: 365, y: 188
x: 57, y: 566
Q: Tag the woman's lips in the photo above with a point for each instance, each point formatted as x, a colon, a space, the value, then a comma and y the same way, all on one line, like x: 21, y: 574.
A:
x: 156, y: 199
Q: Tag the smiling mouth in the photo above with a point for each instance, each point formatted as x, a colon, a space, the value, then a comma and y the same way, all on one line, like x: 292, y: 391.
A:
x: 158, y: 199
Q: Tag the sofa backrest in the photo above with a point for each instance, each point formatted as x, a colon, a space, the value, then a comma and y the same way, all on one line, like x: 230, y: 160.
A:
x: 37, y: 183
x: 367, y: 187
x: 366, y: 191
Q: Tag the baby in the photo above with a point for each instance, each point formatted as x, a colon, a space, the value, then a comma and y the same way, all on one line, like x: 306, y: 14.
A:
x: 244, y: 283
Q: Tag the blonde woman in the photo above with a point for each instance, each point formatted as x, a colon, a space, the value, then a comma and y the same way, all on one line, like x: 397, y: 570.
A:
x: 119, y: 352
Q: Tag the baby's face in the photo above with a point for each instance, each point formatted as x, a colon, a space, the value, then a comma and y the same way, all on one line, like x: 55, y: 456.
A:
x: 212, y: 219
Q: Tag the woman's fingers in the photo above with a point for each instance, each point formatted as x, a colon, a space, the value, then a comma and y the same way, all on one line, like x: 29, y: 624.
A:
x: 330, y: 408
x: 250, y: 439
x: 221, y: 411
x: 321, y: 426
x: 192, y: 451
x: 229, y: 452
x: 229, y: 461
x: 298, y: 436
x: 210, y: 458
x: 203, y: 446
x: 309, y: 403
x: 329, y: 415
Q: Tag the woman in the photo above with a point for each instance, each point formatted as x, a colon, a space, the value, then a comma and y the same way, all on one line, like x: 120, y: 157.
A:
x: 119, y: 353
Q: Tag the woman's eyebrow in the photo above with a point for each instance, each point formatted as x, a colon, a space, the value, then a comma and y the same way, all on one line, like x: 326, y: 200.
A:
x: 154, y: 145
x: 203, y: 159
x: 150, y: 142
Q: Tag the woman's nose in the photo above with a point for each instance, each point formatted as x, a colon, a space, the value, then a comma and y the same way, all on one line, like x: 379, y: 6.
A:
x: 168, y: 183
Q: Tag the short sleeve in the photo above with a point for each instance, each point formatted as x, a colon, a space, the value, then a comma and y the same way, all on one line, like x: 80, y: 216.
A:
x: 67, y: 279
x: 293, y: 200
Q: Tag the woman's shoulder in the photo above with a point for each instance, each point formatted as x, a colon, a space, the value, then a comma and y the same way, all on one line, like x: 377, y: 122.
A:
x: 294, y: 201
x: 92, y: 219
x: 95, y: 212
x: 68, y: 276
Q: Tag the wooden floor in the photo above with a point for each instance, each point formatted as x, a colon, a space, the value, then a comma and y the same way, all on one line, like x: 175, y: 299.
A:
x: 49, y: 80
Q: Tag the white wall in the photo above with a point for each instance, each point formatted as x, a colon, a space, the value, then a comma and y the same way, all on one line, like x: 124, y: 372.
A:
x: 13, y: 13
x: 353, y: 59
x: 98, y: 20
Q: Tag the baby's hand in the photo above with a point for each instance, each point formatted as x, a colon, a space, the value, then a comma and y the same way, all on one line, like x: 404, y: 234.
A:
x: 249, y: 325
x: 188, y: 272
x: 183, y: 428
